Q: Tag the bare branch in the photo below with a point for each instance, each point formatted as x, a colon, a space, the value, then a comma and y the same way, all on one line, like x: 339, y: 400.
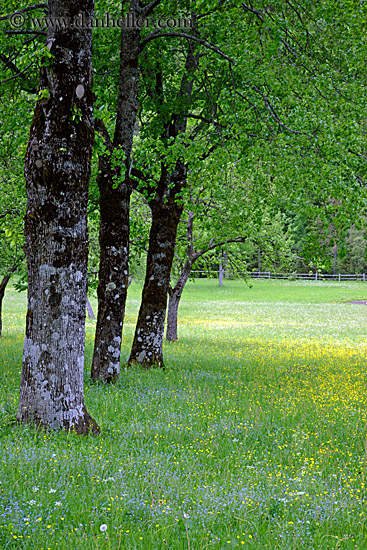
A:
x: 18, y: 74
x: 8, y: 212
x: 357, y: 154
x: 272, y: 112
x: 296, y: 11
x: 146, y: 10
x: 212, y: 245
x: 212, y: 47
x: 12, y: 66
x: 136, y: 173
x: 25, y: 31
x: 255, y: 12
x: 204, y: 119
x: 24, y: 10
x: 210, y: 12
x: 105, y: 74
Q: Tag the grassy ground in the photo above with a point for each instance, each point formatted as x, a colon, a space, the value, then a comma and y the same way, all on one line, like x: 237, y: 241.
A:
x: 255, y: 437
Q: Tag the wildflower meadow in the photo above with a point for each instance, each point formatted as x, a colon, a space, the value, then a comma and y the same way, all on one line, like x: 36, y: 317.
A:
x: 254, y: 437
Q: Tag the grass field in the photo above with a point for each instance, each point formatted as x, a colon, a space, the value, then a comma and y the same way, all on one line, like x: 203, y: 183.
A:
x: 254, y: 437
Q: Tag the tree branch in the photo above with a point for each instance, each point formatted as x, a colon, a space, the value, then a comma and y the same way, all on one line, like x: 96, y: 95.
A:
x: 136, y: 173
x: 255, y: 12
x: 17, y: 75
x: 25, y: 31
x: 12, y: 66
x: 146, y: 10
x: 100, y: 127
x: 357, y: 154
x: 212, y: 245
x: 24, y: 10
x: 158, y: 34
x: 272, y: 112
x: 8, y: 212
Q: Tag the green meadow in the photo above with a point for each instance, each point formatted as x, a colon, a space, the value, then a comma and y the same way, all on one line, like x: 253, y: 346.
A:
x: 254, y: 436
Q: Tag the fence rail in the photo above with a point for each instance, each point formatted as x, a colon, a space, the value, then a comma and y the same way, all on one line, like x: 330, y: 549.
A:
x: 293, y: 276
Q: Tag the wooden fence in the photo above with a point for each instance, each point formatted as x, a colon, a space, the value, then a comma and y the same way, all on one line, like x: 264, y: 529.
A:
x: 292, y: 276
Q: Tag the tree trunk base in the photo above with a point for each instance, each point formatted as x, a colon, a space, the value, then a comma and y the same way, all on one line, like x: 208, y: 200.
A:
x: 86, y: 425
x: 147, y: 347
x: 151, y: 363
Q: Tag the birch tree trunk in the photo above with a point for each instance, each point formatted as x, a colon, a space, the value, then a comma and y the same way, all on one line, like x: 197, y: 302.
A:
x: 57, y: 172
x: 147, y: 348
x: 115, y: 190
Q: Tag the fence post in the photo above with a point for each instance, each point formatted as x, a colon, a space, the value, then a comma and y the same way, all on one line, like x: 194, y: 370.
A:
x: 269, y: 275
x: 364, y: 277
x: 316, y: 276
x: 339, y: 277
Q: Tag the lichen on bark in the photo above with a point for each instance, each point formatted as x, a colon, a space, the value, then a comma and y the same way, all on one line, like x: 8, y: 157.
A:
x: 57, y: 172
x: 147, y: 348
x: 115, y: 191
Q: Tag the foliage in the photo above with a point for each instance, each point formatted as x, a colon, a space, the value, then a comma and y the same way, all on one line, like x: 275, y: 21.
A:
x: 12, y: 188
x: 354, y: 258
x: 289, y: 106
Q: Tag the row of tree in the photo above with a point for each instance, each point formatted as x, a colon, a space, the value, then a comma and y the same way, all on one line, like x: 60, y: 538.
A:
x: 248, y: 112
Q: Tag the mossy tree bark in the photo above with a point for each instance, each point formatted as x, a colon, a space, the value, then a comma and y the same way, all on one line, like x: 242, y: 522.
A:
x: 166, y: 207
x: 147, y: 348
x: 175, y: 295
x: 113, y: 274
x: 57, y: 172
x: 115, y: 191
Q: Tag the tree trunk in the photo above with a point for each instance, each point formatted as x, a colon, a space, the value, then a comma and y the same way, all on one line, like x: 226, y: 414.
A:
x: 335, y: 258
x: 115, y: 191
x: 3, y: 286
x: 112, y: 285
x: 221, y: 272
x: 225, y: 261
x: 147, y: 348
x: 174, y: 301
x: 90, y: 310
x: 172, y: 314
x: 57, y: 172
